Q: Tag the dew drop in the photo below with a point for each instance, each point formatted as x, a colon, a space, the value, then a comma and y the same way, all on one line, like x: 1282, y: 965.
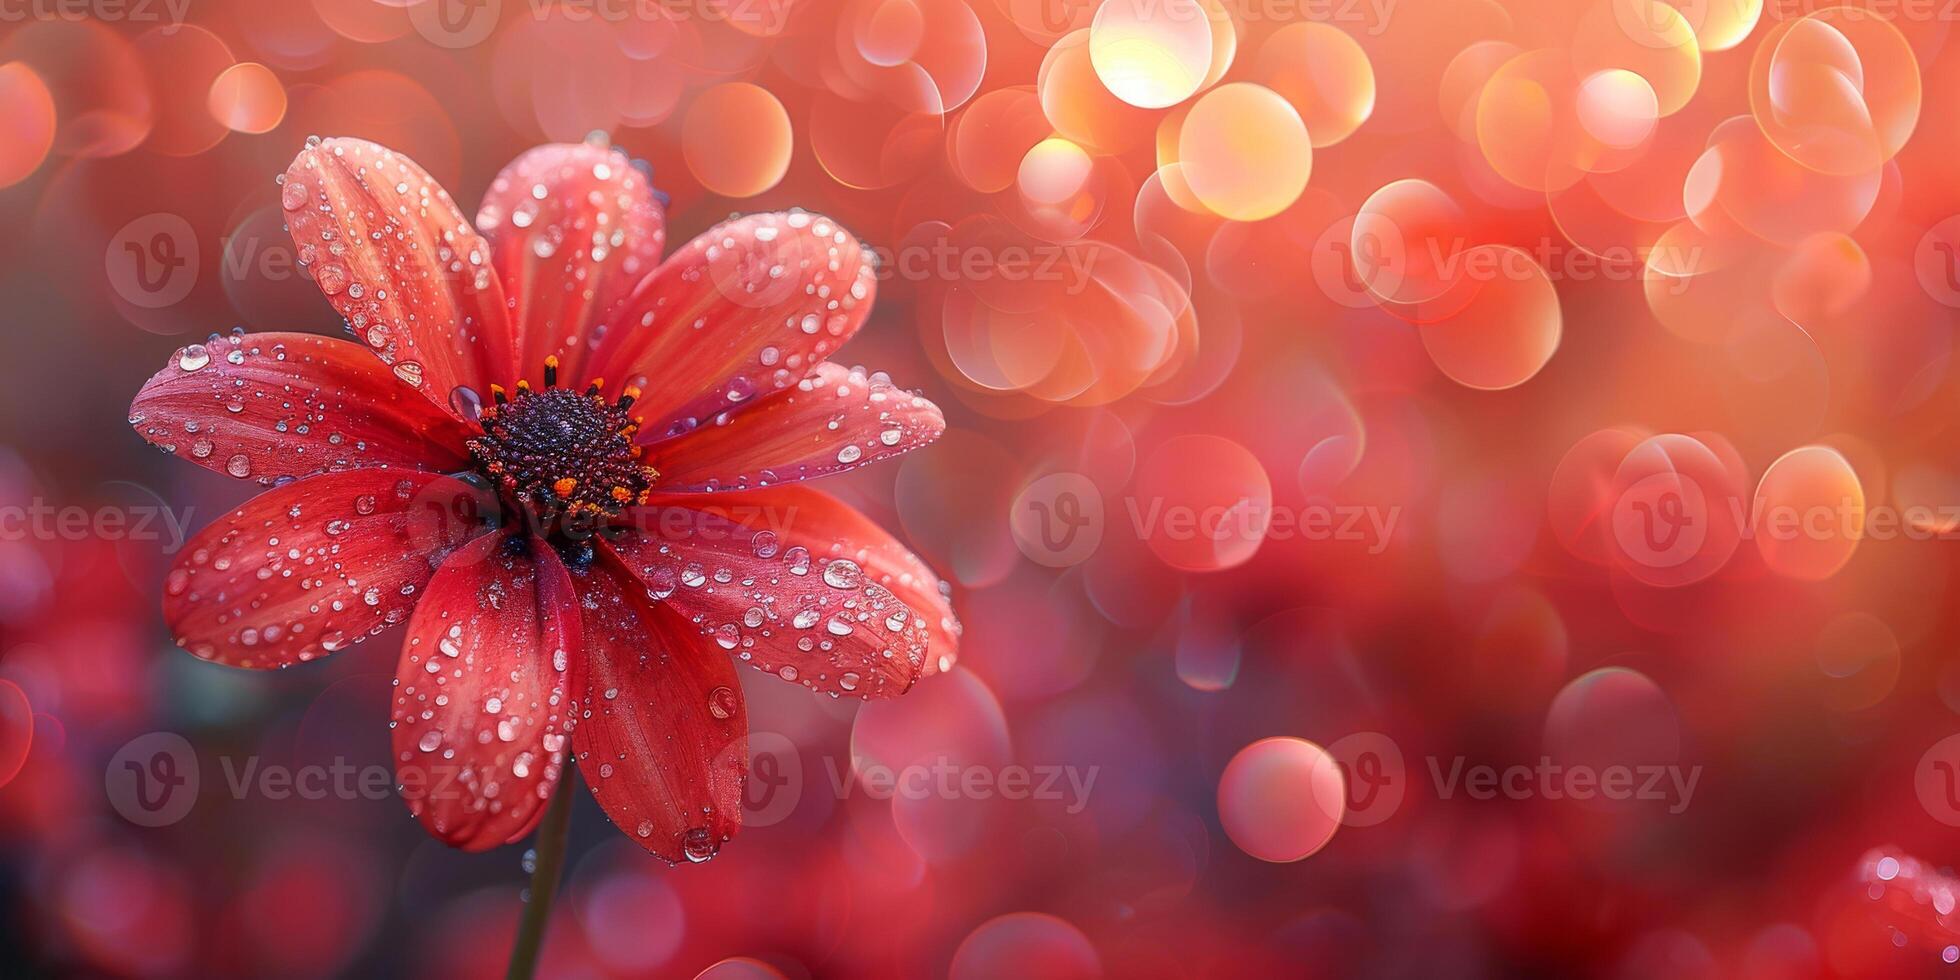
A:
x: 765, y: 544
x: 699, y: 844
x: 843, y: 574
x: 721, y: 703
x: 466, y: 402
x: 332, y: 278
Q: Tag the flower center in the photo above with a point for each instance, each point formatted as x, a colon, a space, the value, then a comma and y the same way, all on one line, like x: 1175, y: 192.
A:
x: 561, y: 453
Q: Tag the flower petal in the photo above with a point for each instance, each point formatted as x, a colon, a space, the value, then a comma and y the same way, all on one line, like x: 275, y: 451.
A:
x: 747, y: 308
x: 484, y: 695
x: 277, y: 406
x: 573, y: 227
x: 663, y: 742
x: 817, y: 621
x: 311, y: 567
x: 802, y: 517
x: 401, y: 263
x: 836, y: 419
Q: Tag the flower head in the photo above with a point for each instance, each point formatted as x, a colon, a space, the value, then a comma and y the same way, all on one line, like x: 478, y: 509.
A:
x: 570, y: 469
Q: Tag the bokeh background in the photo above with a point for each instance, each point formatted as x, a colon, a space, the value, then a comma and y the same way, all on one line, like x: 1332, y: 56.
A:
x: 1418, y: 383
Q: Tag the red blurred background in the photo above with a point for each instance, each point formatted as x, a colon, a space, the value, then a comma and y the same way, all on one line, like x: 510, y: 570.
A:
x: 1552, y: 389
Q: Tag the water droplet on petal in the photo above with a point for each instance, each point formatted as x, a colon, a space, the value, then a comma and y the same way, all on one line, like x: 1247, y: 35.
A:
x: 699, y: 844
x: 332, y: 278
x: 466, y: 402
x: 843, y: 574
x: 765, y: 544
x: 721, y: 703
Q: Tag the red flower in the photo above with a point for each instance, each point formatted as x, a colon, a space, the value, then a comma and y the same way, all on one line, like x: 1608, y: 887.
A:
x: 621, y: 435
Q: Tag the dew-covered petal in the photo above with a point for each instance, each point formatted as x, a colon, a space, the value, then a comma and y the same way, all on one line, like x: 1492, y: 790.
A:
x: 573, y: 227
x: 401, y: 263
x: 663, y: 736
x: 311, y: 567
x: 814, y: 620
x: 806, y: 524
x: 749, y: 307
x: 485, y: 692
x: 836, y: 419
x: 278, y: 406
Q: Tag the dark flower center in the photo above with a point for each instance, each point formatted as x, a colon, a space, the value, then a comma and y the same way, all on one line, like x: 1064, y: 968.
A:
x: 560, y: 453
